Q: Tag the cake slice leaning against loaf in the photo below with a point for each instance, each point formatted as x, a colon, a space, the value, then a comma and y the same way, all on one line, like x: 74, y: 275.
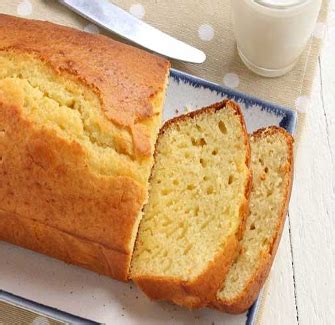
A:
x: 272, y: 167
x: 198, y: 200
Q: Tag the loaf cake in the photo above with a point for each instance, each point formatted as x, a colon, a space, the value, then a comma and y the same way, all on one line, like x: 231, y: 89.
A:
x: 198, y: 200
x: 272, y: 167
x: 79, y: 116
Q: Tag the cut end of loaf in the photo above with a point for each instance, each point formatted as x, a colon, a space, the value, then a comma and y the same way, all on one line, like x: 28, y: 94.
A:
x: 199, y: 188
x: 272, y: 167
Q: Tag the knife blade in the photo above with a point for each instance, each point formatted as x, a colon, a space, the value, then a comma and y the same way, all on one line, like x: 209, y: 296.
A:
x: 117, y: 20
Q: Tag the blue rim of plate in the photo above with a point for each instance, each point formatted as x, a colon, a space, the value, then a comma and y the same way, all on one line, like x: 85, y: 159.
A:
x: 289, y: 117
x: 288, y: 122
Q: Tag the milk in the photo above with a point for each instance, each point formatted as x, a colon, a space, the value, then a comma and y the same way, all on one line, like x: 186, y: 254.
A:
x: 271, y: 34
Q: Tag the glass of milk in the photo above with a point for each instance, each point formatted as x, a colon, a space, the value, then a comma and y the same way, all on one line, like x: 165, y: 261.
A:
x: 272, y: 34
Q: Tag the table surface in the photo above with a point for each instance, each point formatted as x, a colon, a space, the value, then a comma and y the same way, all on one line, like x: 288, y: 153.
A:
x: 304, y: 293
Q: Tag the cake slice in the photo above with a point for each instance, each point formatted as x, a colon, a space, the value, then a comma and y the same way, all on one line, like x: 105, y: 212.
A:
x: 272, y: 167
x: 200, y: 184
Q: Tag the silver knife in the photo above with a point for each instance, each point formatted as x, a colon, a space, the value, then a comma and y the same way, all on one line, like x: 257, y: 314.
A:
x: 119, y: 21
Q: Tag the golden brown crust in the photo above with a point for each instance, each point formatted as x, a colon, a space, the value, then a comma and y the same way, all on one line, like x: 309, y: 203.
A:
x: 64, y: 246
x: 125, y: 78
x: 46, y: 179
x: 47, y: 183
x: 198, y: 292
x: 248, y: 296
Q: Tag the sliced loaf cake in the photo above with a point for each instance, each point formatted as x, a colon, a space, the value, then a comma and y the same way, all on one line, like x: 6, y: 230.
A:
x: 198, y: 201
x: 272, y: 167
x: 79, y: 117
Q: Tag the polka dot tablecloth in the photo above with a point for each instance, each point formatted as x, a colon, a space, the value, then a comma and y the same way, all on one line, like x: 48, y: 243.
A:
x: 205, y: 24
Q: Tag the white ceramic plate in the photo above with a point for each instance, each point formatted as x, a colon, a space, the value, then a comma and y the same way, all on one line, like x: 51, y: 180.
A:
x: 83, y: 293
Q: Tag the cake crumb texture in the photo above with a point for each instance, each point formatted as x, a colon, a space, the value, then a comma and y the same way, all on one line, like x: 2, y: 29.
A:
x: 198, y: 193
x: 272, y: 167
